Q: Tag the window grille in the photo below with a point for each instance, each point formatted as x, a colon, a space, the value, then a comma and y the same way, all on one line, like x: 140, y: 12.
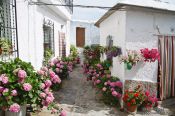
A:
x: 48, y: 29
x: 8, y: 28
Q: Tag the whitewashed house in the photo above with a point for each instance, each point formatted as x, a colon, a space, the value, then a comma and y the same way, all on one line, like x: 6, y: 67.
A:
x: 137, y: 24
x: 33, y: 26
x: 84, y: 33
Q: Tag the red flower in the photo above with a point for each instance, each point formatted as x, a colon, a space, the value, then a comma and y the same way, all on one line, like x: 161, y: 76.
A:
x: 133, y: 100
x: 128, y: 104
x: 136, y: 95
x: 147, y: 93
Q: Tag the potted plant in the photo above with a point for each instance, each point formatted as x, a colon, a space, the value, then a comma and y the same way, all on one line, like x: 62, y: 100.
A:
x: 133, y: 98
x: 131, y: 59
x: 5, y: 46
x: 149, y: 102
x: 150, y: 55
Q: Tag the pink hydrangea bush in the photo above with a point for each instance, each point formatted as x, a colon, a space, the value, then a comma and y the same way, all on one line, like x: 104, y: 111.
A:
x: 61, y: 67
x: 20, y: 85
x: 49, y: 79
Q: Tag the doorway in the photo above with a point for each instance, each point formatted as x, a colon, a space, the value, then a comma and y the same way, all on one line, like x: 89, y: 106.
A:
x: 80, y: 37
x: 166, y: 67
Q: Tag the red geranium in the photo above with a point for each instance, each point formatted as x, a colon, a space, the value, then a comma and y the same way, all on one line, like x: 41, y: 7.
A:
x: 150, y: 55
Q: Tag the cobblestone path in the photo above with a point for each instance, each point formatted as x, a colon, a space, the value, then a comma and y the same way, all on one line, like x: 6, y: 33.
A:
x: 79, y: 98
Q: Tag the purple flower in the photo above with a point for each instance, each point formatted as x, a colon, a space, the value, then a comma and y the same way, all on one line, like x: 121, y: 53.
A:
x: 14, y: 93
x: 27, y: 86
x: 14, y: 108
x: 22, y: 74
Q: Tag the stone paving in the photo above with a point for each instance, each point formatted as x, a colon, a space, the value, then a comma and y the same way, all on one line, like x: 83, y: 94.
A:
x: 79, y: 98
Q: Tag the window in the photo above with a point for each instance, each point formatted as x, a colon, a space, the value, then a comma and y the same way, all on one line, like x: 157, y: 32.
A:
x: 8, y: 29
x: 48, y: 29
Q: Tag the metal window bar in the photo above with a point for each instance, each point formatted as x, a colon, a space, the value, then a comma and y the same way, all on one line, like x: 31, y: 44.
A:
x: 8, y: 28
x: 48, y: 29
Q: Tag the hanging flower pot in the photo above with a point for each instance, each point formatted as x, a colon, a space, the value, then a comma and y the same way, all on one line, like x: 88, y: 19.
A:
x: 128, y: 66
x: 132, y: 108
x: 22, y: 112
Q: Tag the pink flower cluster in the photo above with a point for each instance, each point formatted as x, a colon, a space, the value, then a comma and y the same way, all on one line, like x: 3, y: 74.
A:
x: 150, y: 55
x: 47, y: 97
x: 14, y: 108
x: 4, y: 79
x: 27, y: 86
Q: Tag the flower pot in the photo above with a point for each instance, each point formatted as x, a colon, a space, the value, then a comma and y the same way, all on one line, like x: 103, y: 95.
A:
x: 132, y: 108
x: 128, y: 66
x: 22, y: 112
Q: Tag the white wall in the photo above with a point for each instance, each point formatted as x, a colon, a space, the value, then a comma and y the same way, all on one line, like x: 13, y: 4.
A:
x: 92, y: 34
x: 141, y: 26
x: 115, y: 25
x: 30, y: 31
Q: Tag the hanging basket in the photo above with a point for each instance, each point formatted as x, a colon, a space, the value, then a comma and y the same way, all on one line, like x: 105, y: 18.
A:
x: 22, y: 112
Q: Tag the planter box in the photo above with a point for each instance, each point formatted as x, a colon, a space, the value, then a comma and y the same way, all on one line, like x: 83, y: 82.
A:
x: 22, y: 112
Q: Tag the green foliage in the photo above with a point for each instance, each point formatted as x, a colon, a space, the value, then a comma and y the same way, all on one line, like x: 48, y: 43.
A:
x: 10, y: 69
x: 5, y: 46
x: 73, y: 51
x: 47, y: 55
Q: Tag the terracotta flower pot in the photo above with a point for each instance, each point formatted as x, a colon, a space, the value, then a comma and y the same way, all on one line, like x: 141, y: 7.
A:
x: 132, y: 108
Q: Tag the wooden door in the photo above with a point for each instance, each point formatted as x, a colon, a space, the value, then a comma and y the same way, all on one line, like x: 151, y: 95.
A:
x: 80, y: 37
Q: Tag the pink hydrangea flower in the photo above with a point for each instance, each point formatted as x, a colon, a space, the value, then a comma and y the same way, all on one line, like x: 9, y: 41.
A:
x: 42, y: 95
x: 57, y: 70
x: 42, y: 85
x: 114, y: 93
x: 58, y: 65
x: 112, y: 84
x: 56, y: 79
x: 119, y: 84
x: 48, y: 83
x: 49, y: 100
x: 4, y: 79
x: 44, y: 68
x: 5, y: 90
x: 98, y: 81
x: 14, y: 108
x: 63, y: 113
x: 104, y: 89
x: 27, y: 86
x: 119, y: 95
x: 40, y: 72
x: 53, y: 111
x: 51, y: 64
x: 61, y: 66
x: 22, y: 74
x: 105, y: 83
x: 55, y: 61
x: 14, y: 93
x: 52, y: 74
